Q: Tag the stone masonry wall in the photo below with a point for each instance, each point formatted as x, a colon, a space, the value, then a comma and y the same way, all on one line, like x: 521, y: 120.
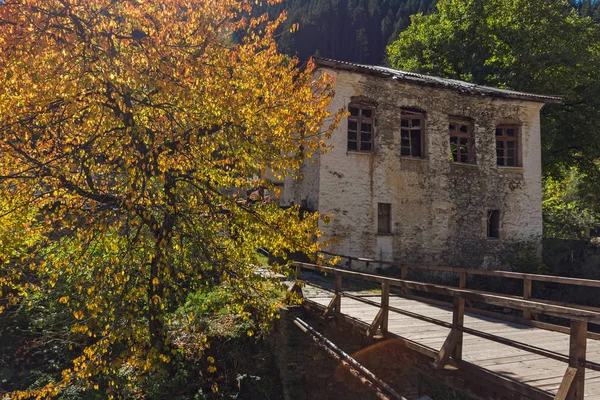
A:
x: 439, y: 207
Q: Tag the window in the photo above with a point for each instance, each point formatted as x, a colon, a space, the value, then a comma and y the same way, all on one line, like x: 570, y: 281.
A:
x: 462, y: 143
x: 360, y: 128
x: 411, y: 134
x: 384, y: 218
x: 493, y: 224
x: 507, y: 139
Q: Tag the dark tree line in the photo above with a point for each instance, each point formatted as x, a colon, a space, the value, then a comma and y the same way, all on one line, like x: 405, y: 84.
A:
x: 587, y: 8
x: 348, y: 30
x: 359, y: 30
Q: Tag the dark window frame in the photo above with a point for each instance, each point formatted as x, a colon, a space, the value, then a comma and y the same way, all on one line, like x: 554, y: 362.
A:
x: 410, y: 116
x: 503, y: 143
x: 455, y: 131
x: 493, y: 221
x: 360, y: 120
x: 384, y: 211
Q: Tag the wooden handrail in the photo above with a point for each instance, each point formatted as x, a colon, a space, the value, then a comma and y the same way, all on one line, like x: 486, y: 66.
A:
x: 471, y: 271
x: 467, y: 294
x: 574, y: 378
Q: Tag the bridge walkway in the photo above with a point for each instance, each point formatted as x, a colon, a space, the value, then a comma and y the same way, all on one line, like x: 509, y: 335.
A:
x: 531, y: 361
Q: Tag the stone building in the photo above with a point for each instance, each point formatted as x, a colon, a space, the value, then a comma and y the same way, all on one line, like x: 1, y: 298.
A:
x: 426, y: 170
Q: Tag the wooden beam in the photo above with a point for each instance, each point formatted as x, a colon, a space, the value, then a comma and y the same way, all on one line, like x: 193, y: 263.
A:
x: 297, y: 289
x: 333, y: 305
x: 577, y: 351
x: 458, y: 318
x: 375, y: 324
x: 526, y: 296
x: 462, y: 280
x: 498, y: 339
x: 566, y: 383
x: 505, y: 317
x: 446, y: 350
x: 404, y: 276
x: 467, y: 294
x: 338, y: 291
x: 470, y: 369
x: 404, y: 272
x: 385, y: 304
x: 472, y: 271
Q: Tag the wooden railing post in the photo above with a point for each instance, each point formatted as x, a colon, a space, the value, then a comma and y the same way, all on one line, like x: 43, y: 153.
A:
x: 458, y: 318
x: 385, y: 304
x: 338, y: 292
x: 577, y: 351
x: 462, y: 280
x: 297, y: 273
x: 526, y: 295
x: 404, y: 276
x: 336, y: 302
x: 453, y: 344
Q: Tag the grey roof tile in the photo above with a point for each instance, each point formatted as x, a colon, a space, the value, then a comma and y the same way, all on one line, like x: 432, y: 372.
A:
x: 420, y: 79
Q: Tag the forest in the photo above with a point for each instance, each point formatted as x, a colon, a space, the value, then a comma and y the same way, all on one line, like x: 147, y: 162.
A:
x: 348, y: 30
x: 359, y: 30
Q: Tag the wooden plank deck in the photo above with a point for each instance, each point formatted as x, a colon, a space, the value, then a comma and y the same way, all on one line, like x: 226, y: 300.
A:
x: 532, y: 369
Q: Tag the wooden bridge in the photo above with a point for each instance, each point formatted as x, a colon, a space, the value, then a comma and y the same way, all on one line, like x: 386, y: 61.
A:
x: 521, y: 355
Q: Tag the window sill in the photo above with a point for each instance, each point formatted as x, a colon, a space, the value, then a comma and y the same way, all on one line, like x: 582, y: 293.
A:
x: 409, y: 158
x: 385, y: 234
x: 462, y: 164
x: 510, y: 169
x: 363, y: 153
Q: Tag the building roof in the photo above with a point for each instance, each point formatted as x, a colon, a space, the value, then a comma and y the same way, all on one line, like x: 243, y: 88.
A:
x: 426, y: 80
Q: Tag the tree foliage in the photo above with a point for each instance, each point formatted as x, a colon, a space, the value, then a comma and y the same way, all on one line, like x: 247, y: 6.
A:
x: 349, y: 30
x: 540, y: 46
x: 130, y: 131
x: 571, y: 206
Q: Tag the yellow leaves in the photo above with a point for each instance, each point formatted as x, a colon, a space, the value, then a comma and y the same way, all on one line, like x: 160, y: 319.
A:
x: 211, y: 119
x: 78, y: 314
x: 164, y: 358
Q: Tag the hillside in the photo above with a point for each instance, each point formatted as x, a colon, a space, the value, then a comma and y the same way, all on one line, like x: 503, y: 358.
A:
x: 349, y: 30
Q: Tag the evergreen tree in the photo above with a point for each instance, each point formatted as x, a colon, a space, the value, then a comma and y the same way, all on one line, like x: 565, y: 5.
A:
x: 348, y: 30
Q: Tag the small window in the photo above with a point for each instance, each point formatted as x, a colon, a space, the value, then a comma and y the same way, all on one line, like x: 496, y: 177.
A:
x: 507, y: 149
x: 493, y: 224
x: 462, y: 143
x: 360, y: 128
x: 412, y: 134
x: 384, y: 218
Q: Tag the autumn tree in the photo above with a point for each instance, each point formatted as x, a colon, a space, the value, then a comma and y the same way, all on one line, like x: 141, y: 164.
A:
x: 130, y: 132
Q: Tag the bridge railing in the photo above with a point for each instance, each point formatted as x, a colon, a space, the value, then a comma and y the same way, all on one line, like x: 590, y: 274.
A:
x: 528, y: 317
x: 451, y: 351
